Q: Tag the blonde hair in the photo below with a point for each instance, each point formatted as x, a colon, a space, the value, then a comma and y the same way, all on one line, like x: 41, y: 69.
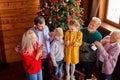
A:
x: 27, y: 41
x: 97, y: 20
x: 116, y: 35
x: 75, y: 23
x: 58, y: 32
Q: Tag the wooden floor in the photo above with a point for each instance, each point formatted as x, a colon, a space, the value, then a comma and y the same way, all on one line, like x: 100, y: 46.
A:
x: 13, y: 71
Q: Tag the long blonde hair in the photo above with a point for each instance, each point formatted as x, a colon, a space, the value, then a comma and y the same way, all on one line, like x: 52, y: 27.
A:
x: 27, y: 41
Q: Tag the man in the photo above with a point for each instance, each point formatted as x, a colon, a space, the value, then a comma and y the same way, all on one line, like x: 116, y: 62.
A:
x: 90, y: 35
x: 43, y: 38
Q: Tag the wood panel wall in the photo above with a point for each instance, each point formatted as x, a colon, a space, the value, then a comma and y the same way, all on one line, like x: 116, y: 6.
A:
x: 16, y: 16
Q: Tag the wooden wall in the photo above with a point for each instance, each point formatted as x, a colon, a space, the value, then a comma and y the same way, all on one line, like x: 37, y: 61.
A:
x: 16, y: 16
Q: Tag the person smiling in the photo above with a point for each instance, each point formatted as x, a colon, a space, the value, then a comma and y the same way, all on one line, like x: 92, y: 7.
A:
x: 108, y: 52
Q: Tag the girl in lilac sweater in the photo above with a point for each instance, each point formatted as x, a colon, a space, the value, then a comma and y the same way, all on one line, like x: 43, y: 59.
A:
x: 108, y: 52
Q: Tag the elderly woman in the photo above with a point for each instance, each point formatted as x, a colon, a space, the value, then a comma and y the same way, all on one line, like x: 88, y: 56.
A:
x: 108, y: 52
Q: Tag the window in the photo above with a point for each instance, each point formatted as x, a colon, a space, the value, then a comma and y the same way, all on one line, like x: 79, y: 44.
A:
x: 112, y: 15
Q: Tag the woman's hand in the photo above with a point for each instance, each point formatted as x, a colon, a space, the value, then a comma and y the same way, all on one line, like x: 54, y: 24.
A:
x: 42, y: 47
x: 40, y: 51
x: 99, y: 44
x: 105, y: 40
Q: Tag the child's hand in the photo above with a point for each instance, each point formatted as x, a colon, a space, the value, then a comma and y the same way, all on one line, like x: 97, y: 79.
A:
x: 74, y: 42
x: 51, y: 34
x: 55, y: 65
x: 68, y: 42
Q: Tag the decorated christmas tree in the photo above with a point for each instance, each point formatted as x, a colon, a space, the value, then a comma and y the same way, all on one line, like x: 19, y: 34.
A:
x: 59, y: 12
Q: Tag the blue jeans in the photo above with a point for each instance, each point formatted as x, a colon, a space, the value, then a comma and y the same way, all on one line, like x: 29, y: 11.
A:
x: 58, y: 69
x: 103, y: 76
x: 36, y: 76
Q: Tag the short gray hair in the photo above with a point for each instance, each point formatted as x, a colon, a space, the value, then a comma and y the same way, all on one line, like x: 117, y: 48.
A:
x: 117, y: 35
x: 39, y: 19
x: 97, y: 20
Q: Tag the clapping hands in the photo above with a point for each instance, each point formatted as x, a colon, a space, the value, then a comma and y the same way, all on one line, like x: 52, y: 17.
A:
x: 42, y: 47
x: 40, y: 51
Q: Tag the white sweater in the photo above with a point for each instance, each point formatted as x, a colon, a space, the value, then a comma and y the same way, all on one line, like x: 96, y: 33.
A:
x: 57, y: 51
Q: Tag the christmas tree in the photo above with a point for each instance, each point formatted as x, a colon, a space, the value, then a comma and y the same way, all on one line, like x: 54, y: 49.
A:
x: 59, y: 12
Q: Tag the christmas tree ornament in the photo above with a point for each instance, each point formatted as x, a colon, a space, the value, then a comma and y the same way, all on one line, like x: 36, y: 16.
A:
x: 58, y: 13
x: 46, y: 5
x: 50, y: 22
x: 67, y: 0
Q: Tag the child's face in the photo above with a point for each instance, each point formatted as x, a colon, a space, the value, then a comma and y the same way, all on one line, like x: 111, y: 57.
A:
x: 73, y: 28
x: 57, y: 37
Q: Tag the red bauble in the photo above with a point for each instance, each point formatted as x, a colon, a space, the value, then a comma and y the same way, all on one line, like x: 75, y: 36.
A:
x: 67, y: 8
x: 58, y: 17
x: 47, y: 12
x: 69, y: 18
x: 55, y: 1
